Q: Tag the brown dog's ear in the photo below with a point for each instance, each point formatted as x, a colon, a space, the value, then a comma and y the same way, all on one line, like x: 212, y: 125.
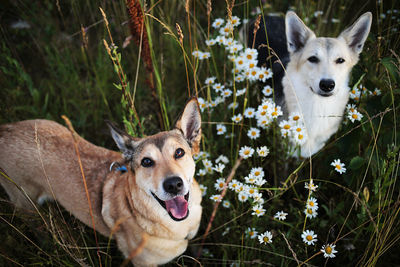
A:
x: 357, y: 33
x: 124, y: 141
x: 190, y: 124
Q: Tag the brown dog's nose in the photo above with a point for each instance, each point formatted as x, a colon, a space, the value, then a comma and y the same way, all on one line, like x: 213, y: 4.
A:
x: 327, y: 85
x: 173, y: 185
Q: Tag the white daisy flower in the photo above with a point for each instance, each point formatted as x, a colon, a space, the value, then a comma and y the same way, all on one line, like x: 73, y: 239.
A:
x: 354, y: 116
x: 216, y: 198
x: 260, y: 181
x: 233, y: 105
x: 204, y: 55
x: 219, y: 168
x: 267, y: 90
x: 258, y: 210
x: 243, y: 196
x: 250, y: 179
x: 253, y: 133
x: 312, y: 203
x: 202, y: 103
x: 252, y: 74
x: 202, y: 172
x: 351, y: 108
x: 196, y: 53
x: 228, y: 42
x: 250, y: 54
x: 311, y: 186
x: 280, y: 215
x: 240, y: 187
x: 329, y: 250
x: 286, y: 128
x: 265, y: 238
x: 237, y: 118
x: 251, y: 232
x: 235, y: 48
x: 234, y: 184
x: 249, y: 113
x: 226, y: 204
x: 339, y: 167
x: 203, y: 190
x: 251, y: 191
x: 217, y: 23
x: 310, y: 213
x: 257, y: 172
x: 239, y: 78
x: 263, y: 121
x: 276, y: 112
x: 246, y: 152
x: 235, y: 21
x: 262, y: 151
x: 218, y: 87
x: 261, y: 75
x: 309, y: 237
x: 221, y: 129
x: 300, y: 137
x: 226, y: 30
x: 240, y: 92
x: 258, y: 199
x: 376, y: 92
x: 211, y: 42
x: 210, y: 80
x: 220, y: 39
x: 223, y: 159
x: 219, y: 184
x: 240, y: 62
x: 207, y: 163
x: 355, y: 94
x: 294, y: 117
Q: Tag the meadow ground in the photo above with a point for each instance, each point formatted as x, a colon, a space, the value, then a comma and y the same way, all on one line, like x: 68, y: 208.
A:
x: 67, y: 58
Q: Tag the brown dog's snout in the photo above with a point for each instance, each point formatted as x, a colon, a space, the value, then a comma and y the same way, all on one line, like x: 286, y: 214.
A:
x: 173, y: 185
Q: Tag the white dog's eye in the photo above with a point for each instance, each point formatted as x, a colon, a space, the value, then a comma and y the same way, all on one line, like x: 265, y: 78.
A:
x: 339, y: 60
x: 179, y: 153
x: 146, y: 162
x: 313, y: 59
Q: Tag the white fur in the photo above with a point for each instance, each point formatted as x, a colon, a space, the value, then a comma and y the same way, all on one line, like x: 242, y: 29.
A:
x: 322, y: 114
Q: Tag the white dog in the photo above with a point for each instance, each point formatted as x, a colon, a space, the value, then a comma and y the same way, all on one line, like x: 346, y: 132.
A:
x: 315, y: 82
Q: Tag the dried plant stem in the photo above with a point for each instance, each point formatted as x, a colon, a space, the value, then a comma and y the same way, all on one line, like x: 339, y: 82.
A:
x: 74, y: 137
x: 216, y: 205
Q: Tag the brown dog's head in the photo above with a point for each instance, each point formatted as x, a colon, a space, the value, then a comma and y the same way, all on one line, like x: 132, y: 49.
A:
x: 162, y: 163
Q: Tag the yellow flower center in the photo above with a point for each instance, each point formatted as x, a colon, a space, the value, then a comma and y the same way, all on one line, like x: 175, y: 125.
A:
x: 249, y: 56
x: 251, y: 233
x: 309, y: 211
x: 328, y: 250
x: 253, y: 133
x: 253, y: 72
x: 353, y: 91
x: 257, y: 173
x: 261, y: 76
x: 226, y: 30
x: 274, y: 113
x: 338, y: 167
x: 251, y: 191
x: 300, y: 136
x: 309, y: 238
x: 266, y: 239
x: 246, y: 152
x: 311, y: 204
x: 221, y: 184
x: 287, y: 126
x: 258, y: 211
x: 354, y: 116
x: 295, y: 118
x: 263, y: 113
x: 298, y: 129
x: 240, y: 62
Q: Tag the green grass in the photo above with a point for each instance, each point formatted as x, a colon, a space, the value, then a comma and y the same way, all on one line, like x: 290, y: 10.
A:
x: 47, y: 71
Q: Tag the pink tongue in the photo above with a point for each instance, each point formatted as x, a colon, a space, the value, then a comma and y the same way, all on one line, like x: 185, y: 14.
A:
x: 178, y: 207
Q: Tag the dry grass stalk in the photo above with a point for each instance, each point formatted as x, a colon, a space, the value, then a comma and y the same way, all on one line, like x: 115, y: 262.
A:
x: 209, y: 9
x: 216, y: 205
x: 85, y: 39
x: 180, y: 33
x: 255, y: 30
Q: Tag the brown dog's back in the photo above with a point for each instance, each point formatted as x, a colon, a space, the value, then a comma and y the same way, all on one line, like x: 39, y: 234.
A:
x: 39, y: 156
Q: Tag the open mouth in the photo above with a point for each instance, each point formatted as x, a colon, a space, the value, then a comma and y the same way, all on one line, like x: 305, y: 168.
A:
x: 177, y: 207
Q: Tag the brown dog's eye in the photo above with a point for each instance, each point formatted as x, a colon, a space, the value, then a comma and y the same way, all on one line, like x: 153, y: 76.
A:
x: 339, y: 60
x: 146, y: 162
x: 179, y: 153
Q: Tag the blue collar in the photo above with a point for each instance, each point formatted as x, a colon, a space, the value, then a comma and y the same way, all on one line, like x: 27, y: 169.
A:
x: 118, y: 167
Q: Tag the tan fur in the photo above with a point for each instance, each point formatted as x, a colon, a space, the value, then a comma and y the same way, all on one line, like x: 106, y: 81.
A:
x: 121, y: 201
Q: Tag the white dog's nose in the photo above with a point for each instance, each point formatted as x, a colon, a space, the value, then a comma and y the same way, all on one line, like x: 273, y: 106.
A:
x: 327, y: 85
x: 173, y: 185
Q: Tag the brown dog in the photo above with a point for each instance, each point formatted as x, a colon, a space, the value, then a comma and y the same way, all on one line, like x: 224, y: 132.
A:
x: 156, y: 197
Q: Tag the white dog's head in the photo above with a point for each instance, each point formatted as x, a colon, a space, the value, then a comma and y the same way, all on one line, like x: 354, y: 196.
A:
x: 325, y: 63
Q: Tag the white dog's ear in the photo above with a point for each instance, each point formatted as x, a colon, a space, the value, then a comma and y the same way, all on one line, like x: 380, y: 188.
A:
x: 356, y: 34
x: 190, y: 124
x: 297, y: 33
x: 124, y: 141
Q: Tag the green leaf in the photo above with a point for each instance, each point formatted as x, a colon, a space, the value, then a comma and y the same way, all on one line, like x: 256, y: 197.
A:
x: 356, y: 163
x: 389, y: 64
